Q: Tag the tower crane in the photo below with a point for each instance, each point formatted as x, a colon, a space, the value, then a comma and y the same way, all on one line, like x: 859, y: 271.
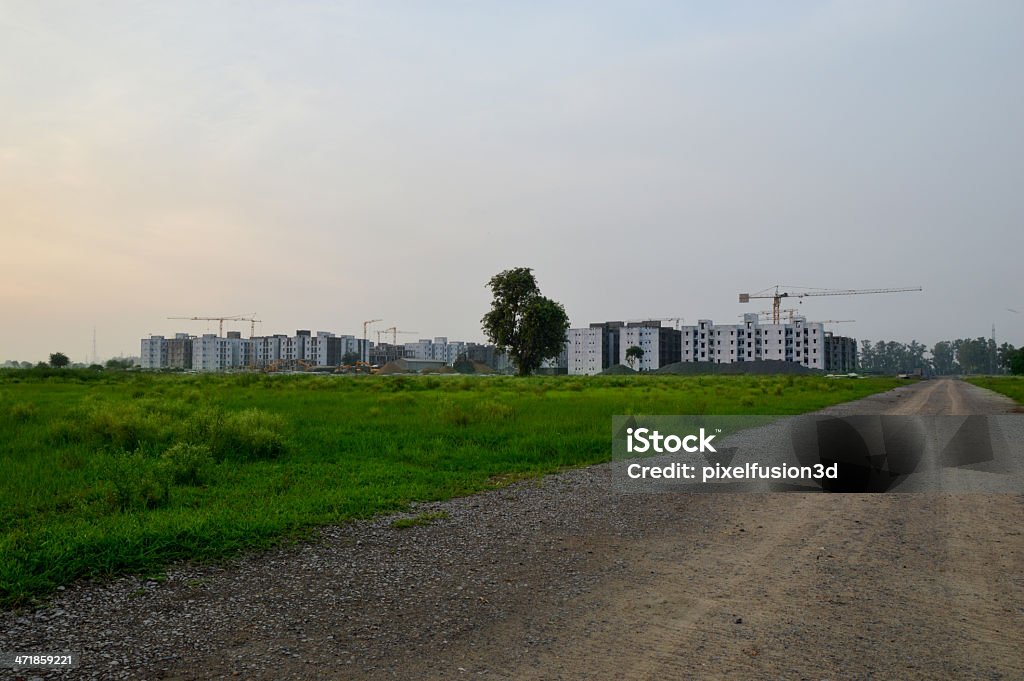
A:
x: 227, y: 318
x: 791, y: 313
x: 366, y: 345
x: 394, y: 334
x: 676, y: 321
x: 777, y: 295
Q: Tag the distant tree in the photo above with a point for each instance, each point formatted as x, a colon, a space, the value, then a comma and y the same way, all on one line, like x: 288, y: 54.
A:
x: 944, y: 358
x: 522, y: 323
x: 96, y: 367
x: 634, y: 353
x: 1004, y: 356
x: 350, y: 358
x: 1017, y: 362
x: 119, y: 363
x: 58, y: 360
x: 973, y: 355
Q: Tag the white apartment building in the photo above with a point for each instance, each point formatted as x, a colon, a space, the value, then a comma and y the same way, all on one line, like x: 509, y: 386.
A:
x: 646, y: 338
x: 212, y: 353
x: 154, y: 352
x: 798, y: 341
x: 593, y: 349
x: 585, y: 351
x: 439, y: 349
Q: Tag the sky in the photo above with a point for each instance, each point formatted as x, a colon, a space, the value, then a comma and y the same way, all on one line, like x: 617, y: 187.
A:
x: 324, y: 163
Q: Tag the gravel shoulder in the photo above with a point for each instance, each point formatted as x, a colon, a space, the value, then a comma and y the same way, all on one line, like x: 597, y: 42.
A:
x: 561, y: 578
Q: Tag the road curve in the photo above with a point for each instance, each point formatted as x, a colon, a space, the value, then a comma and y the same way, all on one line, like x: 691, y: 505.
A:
x: 566, y: 579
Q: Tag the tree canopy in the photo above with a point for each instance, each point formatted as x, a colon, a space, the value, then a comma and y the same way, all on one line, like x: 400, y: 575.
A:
x: 634, y: 353
x: 58, y: 360
x: 522, y: 323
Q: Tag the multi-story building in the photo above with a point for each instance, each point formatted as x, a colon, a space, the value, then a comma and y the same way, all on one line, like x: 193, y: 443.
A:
x: 840, y: 353
x: 154, y: 353
x: 797, y: 341
x: 440, y: 349
x: 593, y: 349
x: 179, y: 351
x: 660, y: 345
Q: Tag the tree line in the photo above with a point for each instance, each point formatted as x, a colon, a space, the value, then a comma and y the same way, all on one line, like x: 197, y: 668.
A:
x: 945, y: 358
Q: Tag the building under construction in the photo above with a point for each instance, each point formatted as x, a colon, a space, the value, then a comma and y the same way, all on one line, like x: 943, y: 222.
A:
x: 598, y: 347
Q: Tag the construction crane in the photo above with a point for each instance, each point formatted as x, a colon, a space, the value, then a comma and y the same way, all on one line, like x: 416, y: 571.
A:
x: 366, y: 345
x: 226, y: 318
x: 777, y: 295
x: 791, y: 313
x: 677, y: 321
x: 394, y: 334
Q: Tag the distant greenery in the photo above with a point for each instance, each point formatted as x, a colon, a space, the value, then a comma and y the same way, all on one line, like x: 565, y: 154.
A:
x: 1011, y: 386
x: 107, y: 472
x: 945, y: 358
x: 59, y: 360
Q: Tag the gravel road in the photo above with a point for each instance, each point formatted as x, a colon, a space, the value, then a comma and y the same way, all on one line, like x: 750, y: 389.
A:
x: 562, y: 578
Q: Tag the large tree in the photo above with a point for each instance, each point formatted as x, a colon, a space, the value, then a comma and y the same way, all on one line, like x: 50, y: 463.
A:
x: 58, y: 360
x: 634, y: 353
x: 522, y: 323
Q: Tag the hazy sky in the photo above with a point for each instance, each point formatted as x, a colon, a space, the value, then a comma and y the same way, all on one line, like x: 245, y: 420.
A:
x: 325, y: 163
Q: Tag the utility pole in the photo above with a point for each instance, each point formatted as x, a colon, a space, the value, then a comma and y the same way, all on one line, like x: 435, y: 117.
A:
x: 992, y: 352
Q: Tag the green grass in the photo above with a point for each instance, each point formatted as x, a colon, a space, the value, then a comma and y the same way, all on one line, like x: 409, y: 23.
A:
x: 1011, y: 386
x: 104, y: 474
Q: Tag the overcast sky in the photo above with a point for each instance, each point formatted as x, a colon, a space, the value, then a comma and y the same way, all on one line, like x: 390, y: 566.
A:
x: 325, y: 163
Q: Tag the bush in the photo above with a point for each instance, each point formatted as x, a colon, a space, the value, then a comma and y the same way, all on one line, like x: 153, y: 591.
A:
x: 24, y: 411
x: 187, y: 464
x: 137, y: 483
x: 249, y: 434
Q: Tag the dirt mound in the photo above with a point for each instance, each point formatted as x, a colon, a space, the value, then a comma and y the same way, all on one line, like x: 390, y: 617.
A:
x: 760, y: 368
x: 617, y: 370
x: 467, y: 366
x: 394, y: 367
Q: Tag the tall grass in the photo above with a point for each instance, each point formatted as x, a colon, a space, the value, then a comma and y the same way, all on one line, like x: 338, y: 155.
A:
x: 1011, y: 386
x: 102, y: 474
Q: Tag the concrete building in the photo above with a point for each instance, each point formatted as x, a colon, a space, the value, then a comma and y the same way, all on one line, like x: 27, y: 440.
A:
x: 179, y: 351
x: 154, y: 353
x: 840, y: 354
x: 798, y: 341
x: 593, y: 349
x: 440, y: 348
x: 661, y: 345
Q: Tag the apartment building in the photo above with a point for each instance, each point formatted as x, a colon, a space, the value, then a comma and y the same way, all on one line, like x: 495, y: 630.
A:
x: 593, y: 349
x: 797, y: 341
x: 840, y: 353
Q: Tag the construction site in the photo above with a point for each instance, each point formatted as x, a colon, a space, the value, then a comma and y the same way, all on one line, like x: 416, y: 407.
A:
x: 772, y: 341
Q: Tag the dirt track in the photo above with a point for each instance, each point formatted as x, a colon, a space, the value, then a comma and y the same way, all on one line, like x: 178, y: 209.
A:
x: 565, y: 579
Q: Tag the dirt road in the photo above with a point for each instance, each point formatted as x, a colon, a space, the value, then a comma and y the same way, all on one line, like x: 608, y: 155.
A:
x: 564, y: 579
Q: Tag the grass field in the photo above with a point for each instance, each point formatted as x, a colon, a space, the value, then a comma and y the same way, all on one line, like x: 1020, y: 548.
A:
x: 1011, y: 386
x: 106, y: 473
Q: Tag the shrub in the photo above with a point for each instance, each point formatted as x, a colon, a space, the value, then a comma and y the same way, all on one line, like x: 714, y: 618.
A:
x: 186, y: 463
x: 24, y: 411
x: 249, y: 434
x: 137, y: 483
